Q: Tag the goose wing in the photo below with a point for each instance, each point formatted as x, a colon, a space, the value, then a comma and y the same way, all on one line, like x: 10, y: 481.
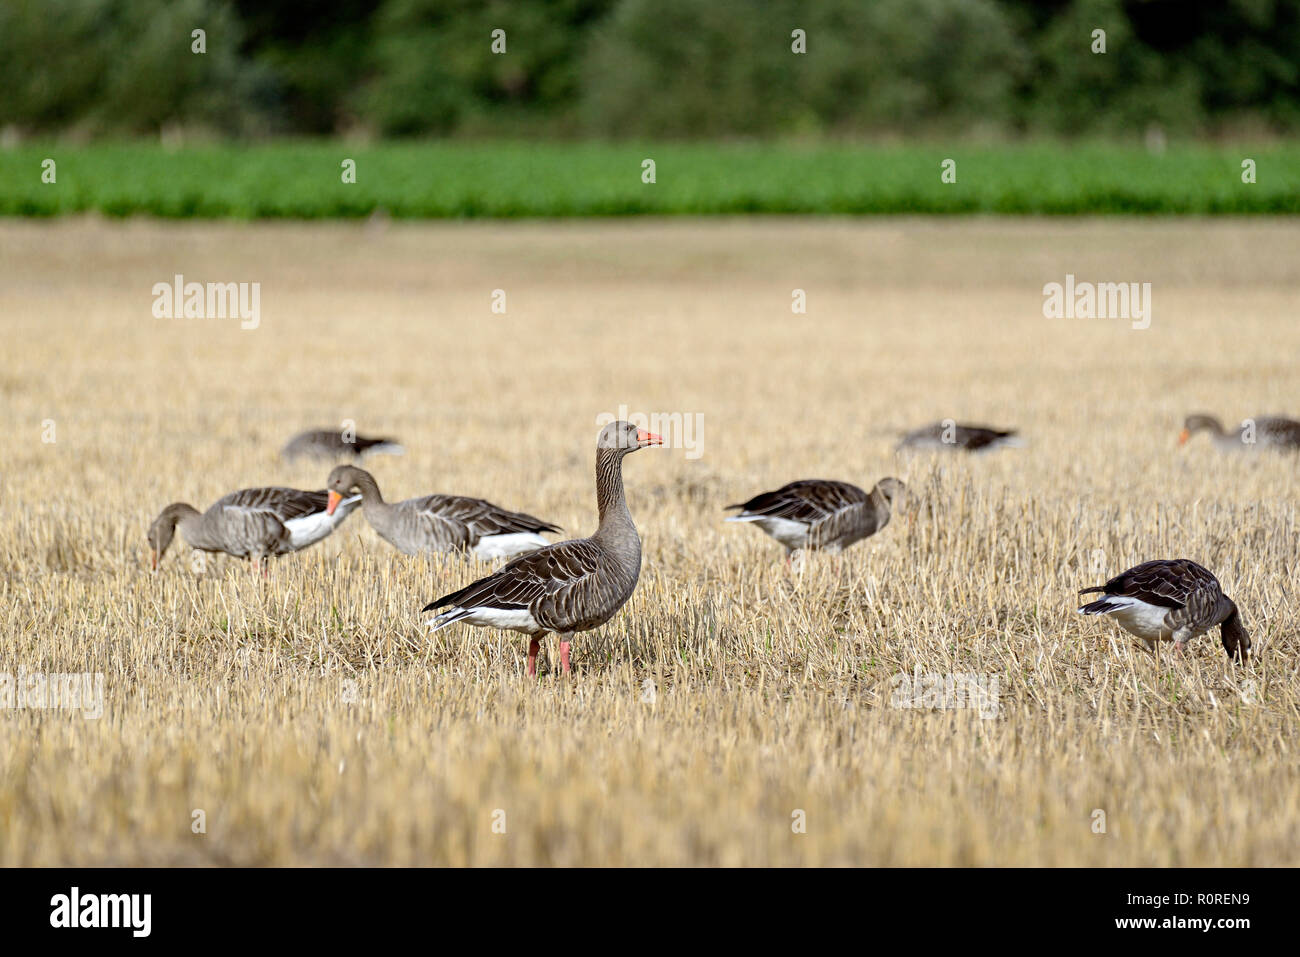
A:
x: 1275, y: 430
x: 564, y: 586
x: 969, y: 437
x: 253, y: 521
x: 818, y: 503
x: 329, y: 443
x: 975, y: 437
x: 285, y: 504
x: 1167, y: 583
x: 479, y: 518
x: 1190, y: 591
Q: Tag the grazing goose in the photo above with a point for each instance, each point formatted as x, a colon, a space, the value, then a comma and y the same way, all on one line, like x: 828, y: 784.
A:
x: 569, y: 586
x: 951, y: 435
x: 821, y: 514
x: 334, y: 444
x: 1175, y: 599
x: 1272, y: 432
x: 251, y: 523
x: 439, y: 523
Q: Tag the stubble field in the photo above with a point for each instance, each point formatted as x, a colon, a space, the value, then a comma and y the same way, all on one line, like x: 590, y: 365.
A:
x: 735, y: 712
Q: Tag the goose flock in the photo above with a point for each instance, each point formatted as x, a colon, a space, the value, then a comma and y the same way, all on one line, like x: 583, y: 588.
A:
x: 569, y: 587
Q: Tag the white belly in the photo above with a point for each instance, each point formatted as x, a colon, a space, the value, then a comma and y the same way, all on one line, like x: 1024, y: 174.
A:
x: 310, y: 529
x: 505, y: 546
x: 512, y: 619
x: 1140, y: 618
x: 788, y: 532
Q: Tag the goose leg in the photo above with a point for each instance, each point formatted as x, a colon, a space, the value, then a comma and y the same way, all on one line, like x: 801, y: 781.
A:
x: 533, y: 645
x: 564, y: 654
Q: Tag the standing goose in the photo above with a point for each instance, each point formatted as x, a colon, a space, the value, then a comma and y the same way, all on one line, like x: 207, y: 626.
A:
x: 821, y: 514
x: 251, y: 523
x: 1165, y: 599
x: 439, y: 523
x: 949, y: 435
x: 570, y: 586
x: 1268, y: 431
x: 334, y: 444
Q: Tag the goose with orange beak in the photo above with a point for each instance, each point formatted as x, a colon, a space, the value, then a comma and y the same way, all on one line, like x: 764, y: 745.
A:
x: 1264, y: 431
x: 567, y: 587
x: 440, y: 523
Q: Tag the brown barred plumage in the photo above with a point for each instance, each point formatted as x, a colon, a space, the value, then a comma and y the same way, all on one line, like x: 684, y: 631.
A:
x: 251, y: 523
x: 821, y: 513
x: 1171, y: 599
x: 1266, y: 431
x: 439, y: 523
x: 951, y: 435
x: 570, y: 586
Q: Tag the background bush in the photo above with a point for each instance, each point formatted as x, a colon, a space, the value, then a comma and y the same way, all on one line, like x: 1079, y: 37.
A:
x: 650, y: 68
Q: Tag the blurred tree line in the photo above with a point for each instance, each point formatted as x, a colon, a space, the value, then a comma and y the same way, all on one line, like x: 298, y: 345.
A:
x: 625, y: 68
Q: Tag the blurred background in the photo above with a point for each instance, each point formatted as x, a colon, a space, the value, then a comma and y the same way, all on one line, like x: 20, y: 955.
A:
x: 83, y: 69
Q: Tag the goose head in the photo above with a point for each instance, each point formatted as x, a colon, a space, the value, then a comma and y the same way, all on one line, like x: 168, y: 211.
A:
x: 624, y: 437
x: 890, y: 489
x: 1235, y: 638
x: 163, y: 529
x: 342, y: 482
x: 1199, y: 423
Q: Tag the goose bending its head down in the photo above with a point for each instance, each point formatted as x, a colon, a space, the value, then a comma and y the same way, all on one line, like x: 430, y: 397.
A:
x: 570, y: 586
x: 1171, y: 599
x: 251, y: 523
x: 820, y: 513
x: 439, y: 523
x: 1268, y: 431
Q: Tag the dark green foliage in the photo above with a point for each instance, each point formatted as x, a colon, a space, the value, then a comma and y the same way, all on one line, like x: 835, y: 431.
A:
x: 654, y: 68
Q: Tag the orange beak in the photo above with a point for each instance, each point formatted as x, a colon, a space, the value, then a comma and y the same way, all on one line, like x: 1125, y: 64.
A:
x: 154, y: 554
x: 335, y: 498
x: 1183, y: 436
x: 644, y: 439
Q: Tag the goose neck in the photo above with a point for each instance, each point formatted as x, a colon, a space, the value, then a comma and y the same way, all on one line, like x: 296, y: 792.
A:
x: 370, y: 494
x: 610, y: 500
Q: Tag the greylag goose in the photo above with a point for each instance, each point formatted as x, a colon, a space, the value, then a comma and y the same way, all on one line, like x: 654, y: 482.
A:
x: 953, y: 435
x: 1165, y: 599
x: 1268, y: 431
x: 439, y: 523
x: 569, y: 586
x: 251, y: 523
x: 821, y: 514
x: 334, y: 444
